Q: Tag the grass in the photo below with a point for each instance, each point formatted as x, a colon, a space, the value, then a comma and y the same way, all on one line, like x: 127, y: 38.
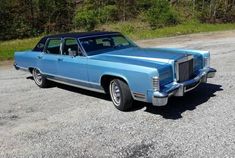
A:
x: 7, y: 48
x: 135, y: 30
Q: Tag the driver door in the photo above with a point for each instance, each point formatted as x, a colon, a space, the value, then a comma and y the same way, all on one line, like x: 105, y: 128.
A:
x: 72, y: 67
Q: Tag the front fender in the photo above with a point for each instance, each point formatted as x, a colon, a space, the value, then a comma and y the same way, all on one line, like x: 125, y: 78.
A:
x: 138, y: 77
x: 137, y: 81
x: 114, y: 75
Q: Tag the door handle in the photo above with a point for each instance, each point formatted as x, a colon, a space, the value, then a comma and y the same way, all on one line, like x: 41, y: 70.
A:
x: 60, y: 59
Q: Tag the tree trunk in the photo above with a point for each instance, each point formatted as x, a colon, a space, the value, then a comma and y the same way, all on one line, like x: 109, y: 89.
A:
x: 124, y: 10
x: 203, y: 5
x: 32, y: 14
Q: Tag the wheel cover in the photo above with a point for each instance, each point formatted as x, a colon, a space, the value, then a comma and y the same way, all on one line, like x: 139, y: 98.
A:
x: 115, y: 93
x: 37, y: 76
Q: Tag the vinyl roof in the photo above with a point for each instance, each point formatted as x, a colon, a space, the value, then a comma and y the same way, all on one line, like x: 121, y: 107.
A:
x: 80, y: 34
x: 72, y: 35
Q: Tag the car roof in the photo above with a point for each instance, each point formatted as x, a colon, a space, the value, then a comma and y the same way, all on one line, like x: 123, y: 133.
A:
x: 73, y: 35
x: 80, y: 34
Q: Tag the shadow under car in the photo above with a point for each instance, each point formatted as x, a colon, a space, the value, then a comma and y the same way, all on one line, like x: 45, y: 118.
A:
x: 173, y: 110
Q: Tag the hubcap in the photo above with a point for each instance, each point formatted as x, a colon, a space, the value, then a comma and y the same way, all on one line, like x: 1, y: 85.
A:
x: 115, y: 93
x: 37, y: 76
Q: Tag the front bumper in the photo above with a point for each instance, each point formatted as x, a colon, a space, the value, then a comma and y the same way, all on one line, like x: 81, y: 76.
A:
x: 178, y: 89
x: 15, y: 66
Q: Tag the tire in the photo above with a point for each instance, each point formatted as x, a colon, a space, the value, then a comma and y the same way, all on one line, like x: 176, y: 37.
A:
x: 39, y: 79
x: 120, y: 95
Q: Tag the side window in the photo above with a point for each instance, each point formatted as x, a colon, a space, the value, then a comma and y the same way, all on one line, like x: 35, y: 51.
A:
x: 53, y: 46
x: 70, y: 47
x: 40, y: 45
x: 119, y: 40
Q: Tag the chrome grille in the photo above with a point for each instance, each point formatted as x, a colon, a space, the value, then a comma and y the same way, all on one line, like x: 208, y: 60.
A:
x: 185, y: 70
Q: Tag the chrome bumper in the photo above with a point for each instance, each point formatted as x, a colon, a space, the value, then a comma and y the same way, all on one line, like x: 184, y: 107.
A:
x: 178, y: 89
x: 15, y: 66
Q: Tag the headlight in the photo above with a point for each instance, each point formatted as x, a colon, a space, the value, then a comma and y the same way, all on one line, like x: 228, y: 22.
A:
x: 156, y: 86
x: 207, y: 61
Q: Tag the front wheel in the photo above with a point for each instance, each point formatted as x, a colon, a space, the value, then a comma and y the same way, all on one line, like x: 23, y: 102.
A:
x: 39, y: 79
x: 120, y: 94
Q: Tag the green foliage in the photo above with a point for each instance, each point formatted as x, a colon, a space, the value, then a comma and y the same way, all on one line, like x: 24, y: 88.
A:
x: 108, y: 14
x: 216, y: 11
x: 161, y: 14
x: 135, y: 30
x: 139, y: 30
x: 127, y: 9
x: 207, y: 11
x: 86, y: 19
x: 8, y: 48
x: 13, y: 25
x: 27, y: 18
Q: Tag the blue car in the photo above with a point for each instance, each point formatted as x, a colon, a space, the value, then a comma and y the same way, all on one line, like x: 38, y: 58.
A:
x: 109, y: 62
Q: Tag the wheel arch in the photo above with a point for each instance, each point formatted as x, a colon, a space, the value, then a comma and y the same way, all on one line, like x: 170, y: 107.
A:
x: 31, y: 69
x: 106, y: 78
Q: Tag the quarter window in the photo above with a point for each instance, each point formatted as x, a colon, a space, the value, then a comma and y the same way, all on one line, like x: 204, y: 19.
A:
x: 53, y: 46
x: 120, y: 41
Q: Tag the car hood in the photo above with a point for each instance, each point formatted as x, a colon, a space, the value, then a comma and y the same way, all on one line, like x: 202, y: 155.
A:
x: 160, y: 58
x: 141, y: 56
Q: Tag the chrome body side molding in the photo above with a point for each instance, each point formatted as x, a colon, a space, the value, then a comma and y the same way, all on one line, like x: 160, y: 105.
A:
x: 76, y: 85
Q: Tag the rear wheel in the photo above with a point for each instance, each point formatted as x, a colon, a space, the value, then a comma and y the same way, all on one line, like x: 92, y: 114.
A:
x: 39, y: 79
x: 120, y: 94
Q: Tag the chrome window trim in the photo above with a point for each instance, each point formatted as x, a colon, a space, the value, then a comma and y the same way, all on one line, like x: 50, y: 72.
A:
x: 187, y: 58
x: 99, y: 35
x: 84, y: 51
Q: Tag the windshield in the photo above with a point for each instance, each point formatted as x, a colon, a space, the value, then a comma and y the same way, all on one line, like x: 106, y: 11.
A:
x: 99, y: 44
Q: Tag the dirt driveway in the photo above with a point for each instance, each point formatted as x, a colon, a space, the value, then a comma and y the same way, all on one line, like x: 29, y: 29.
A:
x: 62, y: 121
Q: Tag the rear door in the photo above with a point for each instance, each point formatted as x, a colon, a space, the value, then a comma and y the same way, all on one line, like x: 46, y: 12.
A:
x: 48, y: 60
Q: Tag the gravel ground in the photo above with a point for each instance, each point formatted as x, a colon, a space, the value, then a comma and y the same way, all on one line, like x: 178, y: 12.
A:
x: 63, y: 121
